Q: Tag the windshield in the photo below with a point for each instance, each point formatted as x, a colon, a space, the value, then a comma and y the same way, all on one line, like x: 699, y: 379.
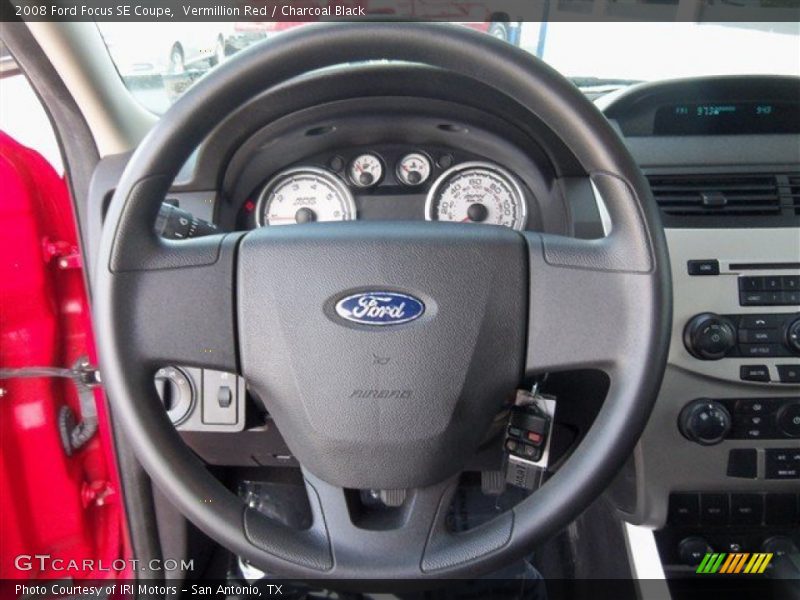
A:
x: 160, y: 61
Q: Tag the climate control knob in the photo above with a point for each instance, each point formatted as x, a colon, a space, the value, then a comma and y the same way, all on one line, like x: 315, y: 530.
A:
x: 793, y: 336
x: 691, y: 550
x: 709, y: 337
x: 706, y: 422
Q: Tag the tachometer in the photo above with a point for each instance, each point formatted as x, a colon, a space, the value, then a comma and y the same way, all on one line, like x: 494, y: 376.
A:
x: 304, y: 195
x: 477, y: 192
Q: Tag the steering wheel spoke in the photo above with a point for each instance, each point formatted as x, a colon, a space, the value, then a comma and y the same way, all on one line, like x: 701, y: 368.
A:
x: 582, y: 315
x: 180, y: 312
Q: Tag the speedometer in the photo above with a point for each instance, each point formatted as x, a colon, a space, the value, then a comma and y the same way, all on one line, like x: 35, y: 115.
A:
x: 304, y: 195
x: 477, y: 192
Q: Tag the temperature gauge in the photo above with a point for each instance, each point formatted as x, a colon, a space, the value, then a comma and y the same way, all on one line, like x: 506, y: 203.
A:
x: 414, y: 169
x: 366, y: 170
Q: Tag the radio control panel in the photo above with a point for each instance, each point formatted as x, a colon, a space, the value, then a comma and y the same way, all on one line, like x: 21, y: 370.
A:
x: 736, y: 306
x: 709, y: 336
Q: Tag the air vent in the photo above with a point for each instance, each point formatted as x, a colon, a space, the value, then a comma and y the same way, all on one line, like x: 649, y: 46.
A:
x: 729, y: 200
x: 794, y: 193
x: 715, y: 195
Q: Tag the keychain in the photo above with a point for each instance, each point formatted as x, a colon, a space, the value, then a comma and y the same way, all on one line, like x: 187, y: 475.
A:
x: 527, y: 438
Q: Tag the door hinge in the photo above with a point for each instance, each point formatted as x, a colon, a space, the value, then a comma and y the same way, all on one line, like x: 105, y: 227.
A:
x: 74, y: 433
x: 98, y: 493
x: 67, y: 255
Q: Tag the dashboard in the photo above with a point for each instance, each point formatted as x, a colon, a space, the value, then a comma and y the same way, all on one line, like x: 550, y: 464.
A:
x: 391, y: 182
x: 722, y: 155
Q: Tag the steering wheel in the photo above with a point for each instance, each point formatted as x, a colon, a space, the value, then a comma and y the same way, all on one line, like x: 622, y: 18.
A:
x: 499, y: 306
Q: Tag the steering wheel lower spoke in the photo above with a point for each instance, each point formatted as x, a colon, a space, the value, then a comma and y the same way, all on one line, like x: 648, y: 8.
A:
x: 409, y: 540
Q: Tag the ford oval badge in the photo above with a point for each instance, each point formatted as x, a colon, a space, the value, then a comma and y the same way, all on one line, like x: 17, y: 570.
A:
x: 380, y: 308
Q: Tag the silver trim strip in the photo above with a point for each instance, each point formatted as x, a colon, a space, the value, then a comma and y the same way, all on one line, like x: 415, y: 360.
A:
x: 645, y: 562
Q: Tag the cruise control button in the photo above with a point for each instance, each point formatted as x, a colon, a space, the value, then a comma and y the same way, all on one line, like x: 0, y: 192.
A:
x: 754, y: 373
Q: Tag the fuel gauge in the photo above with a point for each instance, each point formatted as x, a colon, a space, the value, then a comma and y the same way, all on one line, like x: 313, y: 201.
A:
x: 414, y: 169
x: 365, y: 170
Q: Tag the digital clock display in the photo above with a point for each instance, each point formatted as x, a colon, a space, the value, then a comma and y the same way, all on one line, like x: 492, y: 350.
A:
x: 727, y: 118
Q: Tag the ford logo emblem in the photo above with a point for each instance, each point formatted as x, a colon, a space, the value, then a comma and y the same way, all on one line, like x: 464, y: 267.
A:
x: 380, y: 308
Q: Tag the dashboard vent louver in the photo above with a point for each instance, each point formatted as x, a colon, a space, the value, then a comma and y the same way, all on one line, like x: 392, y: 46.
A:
x: 717, y: 195
x: 794, y: 193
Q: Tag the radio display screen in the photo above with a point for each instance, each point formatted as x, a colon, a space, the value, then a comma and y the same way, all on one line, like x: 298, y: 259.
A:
x: 727, y: 118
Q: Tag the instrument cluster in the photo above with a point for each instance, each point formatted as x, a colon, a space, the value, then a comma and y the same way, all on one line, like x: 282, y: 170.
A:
x: 392, y: 182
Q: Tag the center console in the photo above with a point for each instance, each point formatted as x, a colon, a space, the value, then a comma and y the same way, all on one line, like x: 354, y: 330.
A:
x: 717, y: 470
x: 720, y: 459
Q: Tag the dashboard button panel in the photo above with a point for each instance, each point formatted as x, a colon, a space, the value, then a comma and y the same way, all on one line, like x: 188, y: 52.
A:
x: 721, y: 509
x: 782, y: 463
x: 769, y: 290
x: 752, y: 419
x: 709, y: 336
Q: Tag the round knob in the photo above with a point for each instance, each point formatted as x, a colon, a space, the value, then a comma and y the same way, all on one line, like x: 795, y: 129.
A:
x: 709, y: 337
x: 779, y: 545
x: 691, y: 550
x: 788, y: 419
x: 176, y: 392
x: 793, y: 336
x: 706, y: 422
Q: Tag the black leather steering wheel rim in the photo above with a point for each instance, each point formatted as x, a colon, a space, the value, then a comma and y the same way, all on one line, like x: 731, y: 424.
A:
x: 628, y: 271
